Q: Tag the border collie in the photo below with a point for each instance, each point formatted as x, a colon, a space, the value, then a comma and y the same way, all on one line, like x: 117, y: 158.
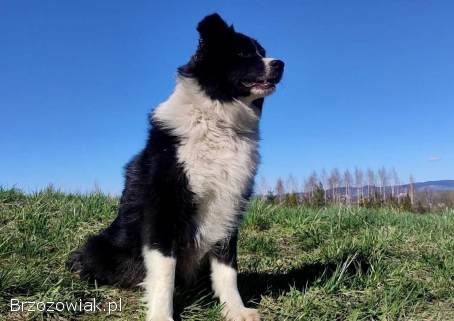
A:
x: 186, y: 191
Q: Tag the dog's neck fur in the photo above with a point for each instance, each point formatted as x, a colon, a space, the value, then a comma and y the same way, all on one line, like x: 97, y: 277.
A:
x: 217, y: 147
x: 188, y: 104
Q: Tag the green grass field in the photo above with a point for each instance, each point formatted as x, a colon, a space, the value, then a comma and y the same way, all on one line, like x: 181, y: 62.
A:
x: 295, y: 263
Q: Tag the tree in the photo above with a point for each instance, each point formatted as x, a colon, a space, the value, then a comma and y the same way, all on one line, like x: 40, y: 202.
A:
x: 383, y: 176
x: 263, y: 188
x: 279, y: 190
x: 334, y: 181
x: 270, y: 197
x: 291, y: 184
x: 347, y: 185
x: 359, y: 183
x: 411, y: 190
x: 405, y: 204
x: 311, y: 184
x: 429, y: 194
x: 325, y: 183
x: 291, y: 200
x: 396, y: 182
x: 318, y: 199
x: 370, y: 182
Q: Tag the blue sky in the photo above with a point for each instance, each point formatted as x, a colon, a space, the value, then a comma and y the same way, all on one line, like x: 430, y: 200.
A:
x: 367, y: 83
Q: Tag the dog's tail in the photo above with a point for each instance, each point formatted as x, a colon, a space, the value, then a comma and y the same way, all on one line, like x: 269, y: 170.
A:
x: 101, y: 260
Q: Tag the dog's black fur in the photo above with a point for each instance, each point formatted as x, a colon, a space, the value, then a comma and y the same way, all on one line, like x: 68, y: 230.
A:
x: 155, y: 184
x: 157, y: 207
x: 224, y: 59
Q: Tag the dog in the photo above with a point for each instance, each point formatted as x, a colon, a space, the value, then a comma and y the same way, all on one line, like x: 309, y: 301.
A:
x: 186, y: 191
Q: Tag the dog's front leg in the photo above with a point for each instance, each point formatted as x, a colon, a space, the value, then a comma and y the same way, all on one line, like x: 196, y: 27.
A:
x: 159, y: 284
x: 223, y: 262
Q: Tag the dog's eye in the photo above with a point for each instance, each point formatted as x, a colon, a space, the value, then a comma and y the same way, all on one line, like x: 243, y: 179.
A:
x: 244, y: 54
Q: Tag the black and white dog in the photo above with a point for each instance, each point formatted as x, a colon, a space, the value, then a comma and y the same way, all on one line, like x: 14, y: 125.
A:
x: 185, y: 192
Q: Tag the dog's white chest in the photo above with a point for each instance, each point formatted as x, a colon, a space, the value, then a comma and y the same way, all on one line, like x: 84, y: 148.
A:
x: 218, y: 150
x: 220, y: 165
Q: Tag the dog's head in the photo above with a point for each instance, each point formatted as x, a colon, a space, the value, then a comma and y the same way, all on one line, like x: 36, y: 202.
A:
x: 229, y: 65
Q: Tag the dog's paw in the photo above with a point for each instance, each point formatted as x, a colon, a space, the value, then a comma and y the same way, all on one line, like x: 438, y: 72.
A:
x: 244, y: 314
x: 74, y: 263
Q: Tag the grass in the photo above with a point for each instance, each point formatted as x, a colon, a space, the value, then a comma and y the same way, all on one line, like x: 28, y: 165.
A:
x: 296, y: 263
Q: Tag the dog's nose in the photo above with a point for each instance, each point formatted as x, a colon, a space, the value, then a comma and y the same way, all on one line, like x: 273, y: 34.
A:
x: 277, y: 64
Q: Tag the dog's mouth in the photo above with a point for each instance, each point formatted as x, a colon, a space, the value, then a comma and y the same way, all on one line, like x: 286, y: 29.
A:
x: 264, y: 84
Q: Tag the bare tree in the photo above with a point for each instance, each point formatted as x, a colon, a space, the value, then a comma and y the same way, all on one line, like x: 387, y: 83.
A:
x: 280, y: 189
x: 370, y: 181
x: 307, y: 188
x: 359, y: 183
x: 325, y: 183
x: 330, y: 181
x: 302, y: 185
x: 334, y: 181
x: 347, y: 184
x: 311, y: 184
x: 314, y: 181
x: 411, y: 189
x: 396, y: 182
x: 445, y: 199
x: 383, y: 176
x: 264, y: 188
x: 291, y: 184
x: 429, y: 194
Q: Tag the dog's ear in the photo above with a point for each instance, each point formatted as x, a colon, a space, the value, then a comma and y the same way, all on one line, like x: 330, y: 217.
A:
x: 213, y: 27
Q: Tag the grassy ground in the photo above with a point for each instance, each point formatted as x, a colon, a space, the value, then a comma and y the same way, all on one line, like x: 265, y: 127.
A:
x: 296, y: 264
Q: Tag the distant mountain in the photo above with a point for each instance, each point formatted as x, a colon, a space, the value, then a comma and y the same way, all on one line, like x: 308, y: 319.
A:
x: 444, y: 185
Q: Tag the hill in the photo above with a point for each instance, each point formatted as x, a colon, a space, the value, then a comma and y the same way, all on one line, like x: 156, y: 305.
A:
x: 443, y: 185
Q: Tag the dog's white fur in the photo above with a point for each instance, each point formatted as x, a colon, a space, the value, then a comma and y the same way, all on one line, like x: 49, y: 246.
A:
x: 218, y: 149
x: 159, y: 285
x: 224, y: 282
